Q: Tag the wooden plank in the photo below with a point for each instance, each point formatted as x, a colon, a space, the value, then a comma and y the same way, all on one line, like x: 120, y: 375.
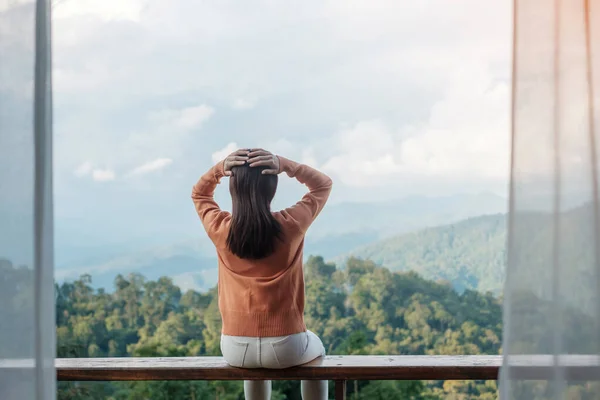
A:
x: 340, y: 390
x: 574, y: 367
x: 331, y: 368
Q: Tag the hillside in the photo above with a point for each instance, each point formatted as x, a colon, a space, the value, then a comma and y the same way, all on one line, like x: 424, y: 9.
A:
x: 469, y: 254
x: 190, y: 257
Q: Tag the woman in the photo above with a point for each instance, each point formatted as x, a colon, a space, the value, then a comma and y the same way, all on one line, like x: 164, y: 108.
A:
x: 261, y: 281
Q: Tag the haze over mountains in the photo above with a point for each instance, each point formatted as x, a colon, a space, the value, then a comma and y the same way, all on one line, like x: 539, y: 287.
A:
x: 344, y: 228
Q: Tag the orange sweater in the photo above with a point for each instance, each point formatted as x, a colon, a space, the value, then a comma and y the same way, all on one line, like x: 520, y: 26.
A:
x: 263, y: 298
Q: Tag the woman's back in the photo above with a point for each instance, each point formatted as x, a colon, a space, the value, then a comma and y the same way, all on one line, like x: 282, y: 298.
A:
x: 261, y: 297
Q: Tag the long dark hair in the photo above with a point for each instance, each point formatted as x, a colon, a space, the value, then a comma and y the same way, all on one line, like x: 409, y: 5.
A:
x: 254, y: 231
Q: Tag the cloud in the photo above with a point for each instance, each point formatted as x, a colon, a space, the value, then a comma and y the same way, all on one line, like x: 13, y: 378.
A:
x: 107, y: 10
x: 243, y: 104
x: 83, y: 169
x: 220, y: 155
x: 98, y: 174
x: 6, y: 5
x: 465, y: 137
x: 115, y: 138
x: 151, y: 166
x: 186, y: 118
x: 379, y: 93
x: 103, y: 175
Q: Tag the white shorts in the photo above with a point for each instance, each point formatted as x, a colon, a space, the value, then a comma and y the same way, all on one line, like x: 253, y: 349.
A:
x: 271, y: 352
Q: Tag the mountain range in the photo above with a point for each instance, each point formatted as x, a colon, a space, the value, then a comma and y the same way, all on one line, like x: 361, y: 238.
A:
x: 362, y: 229
x: 469, y: 254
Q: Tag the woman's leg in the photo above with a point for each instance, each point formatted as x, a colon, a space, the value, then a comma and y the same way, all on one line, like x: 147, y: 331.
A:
x: 242, y: 352
x: 314, y: 390
x: 257, y: 390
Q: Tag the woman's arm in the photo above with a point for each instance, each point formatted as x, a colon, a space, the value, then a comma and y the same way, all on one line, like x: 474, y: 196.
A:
x: 203, y: 196
x: 203, y: 191
x: 319, y: 186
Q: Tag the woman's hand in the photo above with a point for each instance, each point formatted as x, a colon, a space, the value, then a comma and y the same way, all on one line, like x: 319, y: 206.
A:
x: 263, y: 158
x: 235, y: 159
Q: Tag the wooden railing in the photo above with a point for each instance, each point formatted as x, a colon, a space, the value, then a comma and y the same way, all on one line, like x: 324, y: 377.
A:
x: 337, y: 368
x: 330, y: 368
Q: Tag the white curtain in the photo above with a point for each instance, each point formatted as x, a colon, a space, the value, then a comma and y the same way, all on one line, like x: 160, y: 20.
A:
x: 552, y: 291
x: 27, y: 310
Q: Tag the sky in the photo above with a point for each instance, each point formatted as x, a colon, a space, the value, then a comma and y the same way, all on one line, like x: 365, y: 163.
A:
x: 390, y: 98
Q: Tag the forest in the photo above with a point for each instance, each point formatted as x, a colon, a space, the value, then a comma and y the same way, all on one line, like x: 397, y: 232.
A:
x: 356, y: 308
x: 359, y: 309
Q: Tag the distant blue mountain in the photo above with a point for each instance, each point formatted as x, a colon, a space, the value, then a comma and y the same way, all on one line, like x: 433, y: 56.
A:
x: 182, y: 261
x: 340, y: 229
